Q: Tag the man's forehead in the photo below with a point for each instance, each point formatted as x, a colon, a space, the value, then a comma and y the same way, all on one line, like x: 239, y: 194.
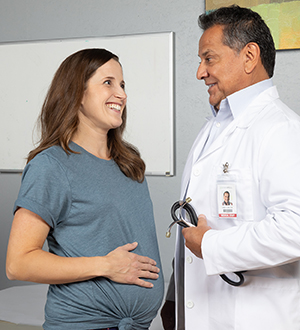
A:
x: 211, y: 40
x: 205, y: 52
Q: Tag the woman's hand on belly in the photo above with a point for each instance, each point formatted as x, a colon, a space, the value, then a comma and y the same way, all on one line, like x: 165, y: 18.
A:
x: 126, y: 267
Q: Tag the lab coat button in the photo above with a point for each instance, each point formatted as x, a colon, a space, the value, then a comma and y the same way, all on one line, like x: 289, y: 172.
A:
x: 218, y: 124
x: 189, y: 304
x: 196, y: 172
x: 189, y: 259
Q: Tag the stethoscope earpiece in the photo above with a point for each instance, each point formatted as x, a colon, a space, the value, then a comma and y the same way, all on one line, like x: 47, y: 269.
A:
x: 180, y: 219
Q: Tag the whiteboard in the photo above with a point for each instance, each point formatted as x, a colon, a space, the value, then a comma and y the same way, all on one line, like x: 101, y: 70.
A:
x: 27, y: 69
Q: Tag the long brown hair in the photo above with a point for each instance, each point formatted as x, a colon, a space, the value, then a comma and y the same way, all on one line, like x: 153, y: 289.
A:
x: 59, y: 120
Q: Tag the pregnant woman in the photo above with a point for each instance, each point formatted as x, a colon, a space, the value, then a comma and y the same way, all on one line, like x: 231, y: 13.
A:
x: 84, y: 191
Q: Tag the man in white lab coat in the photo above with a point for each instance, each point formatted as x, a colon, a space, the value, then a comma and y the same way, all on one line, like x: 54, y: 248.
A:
x: 250, y: 148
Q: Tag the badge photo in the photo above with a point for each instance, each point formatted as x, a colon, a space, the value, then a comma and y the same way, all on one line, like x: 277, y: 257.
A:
x: 227, y: 201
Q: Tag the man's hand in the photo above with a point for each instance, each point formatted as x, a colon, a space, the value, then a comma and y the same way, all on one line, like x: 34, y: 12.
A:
x: 194, y: 235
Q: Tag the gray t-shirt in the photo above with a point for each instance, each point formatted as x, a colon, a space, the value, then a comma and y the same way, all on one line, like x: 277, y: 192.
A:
x: 92, y: 208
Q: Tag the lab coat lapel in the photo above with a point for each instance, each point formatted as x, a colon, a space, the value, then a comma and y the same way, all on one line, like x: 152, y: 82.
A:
x: 244, y: 120
x: 220, y: 140
x: 199, y: 142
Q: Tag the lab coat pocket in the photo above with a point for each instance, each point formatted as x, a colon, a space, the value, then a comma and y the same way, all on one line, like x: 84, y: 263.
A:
x: 239, y: 183
x: 268, y: 303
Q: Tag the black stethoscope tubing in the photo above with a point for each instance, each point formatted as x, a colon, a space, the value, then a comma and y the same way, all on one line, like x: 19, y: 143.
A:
x: 194, y: 220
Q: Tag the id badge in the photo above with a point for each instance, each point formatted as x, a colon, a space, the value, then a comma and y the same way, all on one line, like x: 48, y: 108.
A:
x: 227, y: 201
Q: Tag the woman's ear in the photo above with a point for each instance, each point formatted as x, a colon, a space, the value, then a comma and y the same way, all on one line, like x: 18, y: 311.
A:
x: 252, y: 56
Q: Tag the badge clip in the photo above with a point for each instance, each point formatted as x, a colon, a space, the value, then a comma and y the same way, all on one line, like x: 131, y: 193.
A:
x: 225, y: 167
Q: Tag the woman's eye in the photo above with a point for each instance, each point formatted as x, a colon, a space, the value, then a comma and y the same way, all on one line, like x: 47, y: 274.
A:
x: 123, y: 86
x: 107, y: 82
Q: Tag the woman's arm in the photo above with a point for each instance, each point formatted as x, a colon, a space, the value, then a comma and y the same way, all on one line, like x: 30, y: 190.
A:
x: 27, y: 261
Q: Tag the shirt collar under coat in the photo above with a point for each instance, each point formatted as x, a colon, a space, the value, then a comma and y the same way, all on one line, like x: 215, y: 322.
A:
x: 234, y: 104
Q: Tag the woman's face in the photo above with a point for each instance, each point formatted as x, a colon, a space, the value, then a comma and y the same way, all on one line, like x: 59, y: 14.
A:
x: 104, y: 99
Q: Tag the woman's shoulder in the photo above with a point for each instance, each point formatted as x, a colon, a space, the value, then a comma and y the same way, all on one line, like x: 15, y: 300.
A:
x: 48, y: 160
x: 56, y: 152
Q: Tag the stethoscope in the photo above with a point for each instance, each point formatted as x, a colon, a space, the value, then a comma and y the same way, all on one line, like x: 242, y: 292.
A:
x: 179, y: 219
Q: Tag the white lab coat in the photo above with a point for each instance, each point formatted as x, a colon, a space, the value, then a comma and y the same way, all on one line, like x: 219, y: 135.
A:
x: 262, y: 148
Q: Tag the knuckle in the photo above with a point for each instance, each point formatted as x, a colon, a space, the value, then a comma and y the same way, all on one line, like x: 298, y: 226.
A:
x: 131, y: 279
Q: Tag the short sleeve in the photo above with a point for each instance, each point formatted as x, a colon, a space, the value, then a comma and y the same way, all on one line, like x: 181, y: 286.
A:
x: 45, y: 190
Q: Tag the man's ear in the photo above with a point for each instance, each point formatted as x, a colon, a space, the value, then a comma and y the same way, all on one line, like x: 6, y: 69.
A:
x: 252, y: 56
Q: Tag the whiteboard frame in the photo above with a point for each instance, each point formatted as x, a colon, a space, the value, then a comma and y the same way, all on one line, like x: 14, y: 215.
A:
x: 6, y: 149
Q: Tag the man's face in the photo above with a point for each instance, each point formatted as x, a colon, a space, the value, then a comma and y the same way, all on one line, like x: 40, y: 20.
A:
x: 226, y: 197
x: 221, y: 68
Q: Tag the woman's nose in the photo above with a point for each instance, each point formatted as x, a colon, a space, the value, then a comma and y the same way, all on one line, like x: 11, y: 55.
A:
x: 120, y: 93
